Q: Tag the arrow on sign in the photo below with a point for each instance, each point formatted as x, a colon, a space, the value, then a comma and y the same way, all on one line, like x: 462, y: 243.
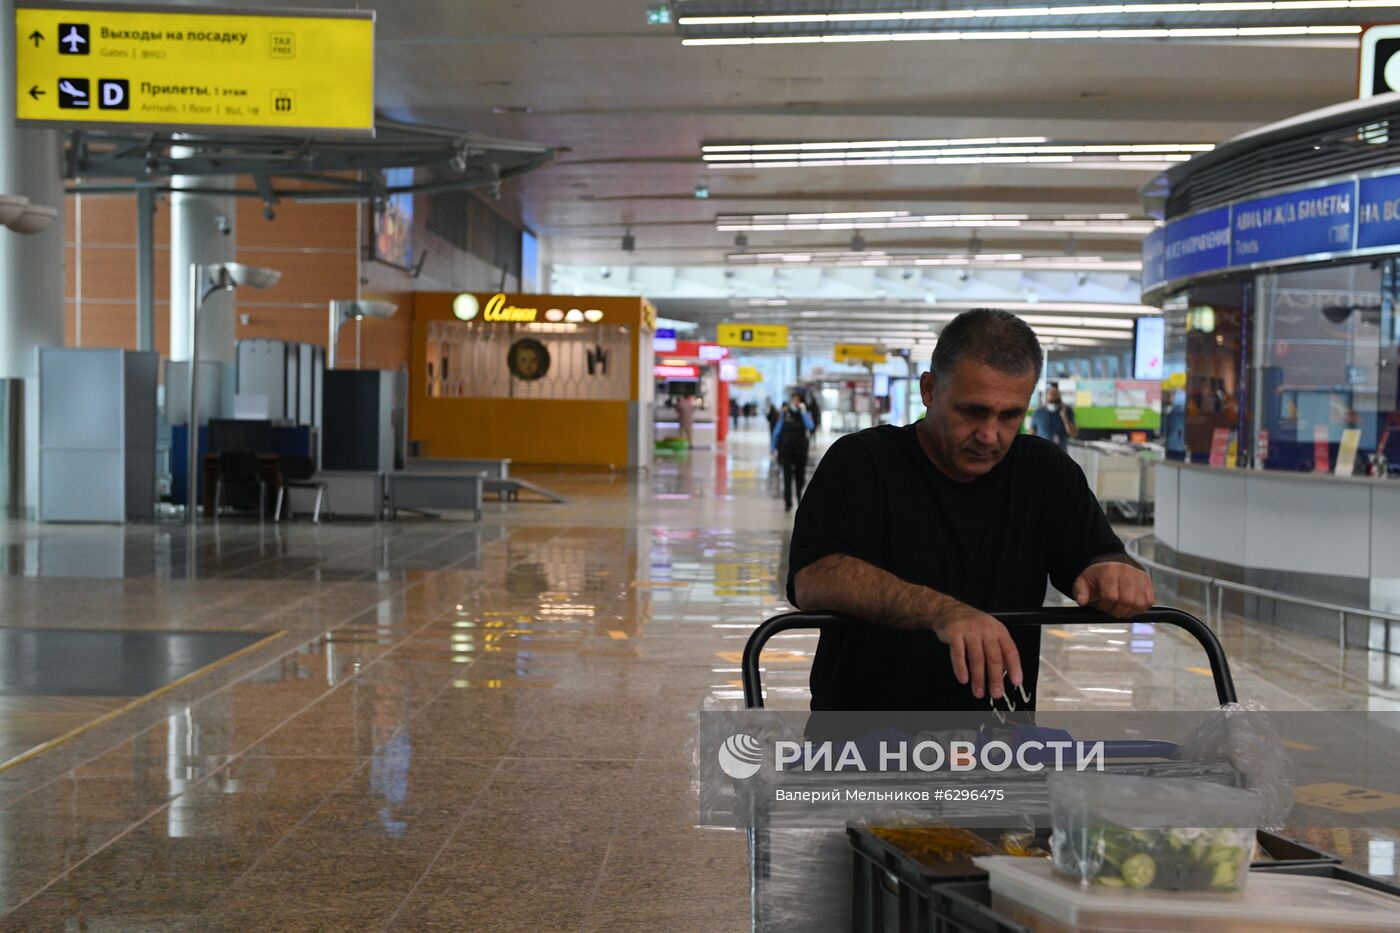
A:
x: 35, y: 93
x: 37, y: 36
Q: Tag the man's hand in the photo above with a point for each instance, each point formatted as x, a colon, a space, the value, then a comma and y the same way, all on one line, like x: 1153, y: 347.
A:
x: 1119, y: 589
x: 981, y: 648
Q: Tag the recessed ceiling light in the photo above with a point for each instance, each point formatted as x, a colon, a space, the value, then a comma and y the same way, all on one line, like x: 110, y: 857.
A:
x: 1212, y: 19
x: 1005, y: 150
x: 1107, y: 224
x: 1026, y: 12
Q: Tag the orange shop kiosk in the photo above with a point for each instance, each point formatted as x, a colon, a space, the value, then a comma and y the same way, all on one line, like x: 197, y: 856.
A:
x: 541, y: 379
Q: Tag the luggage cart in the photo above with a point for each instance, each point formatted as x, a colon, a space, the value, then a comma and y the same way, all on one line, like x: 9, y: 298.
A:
x: 758, y: 834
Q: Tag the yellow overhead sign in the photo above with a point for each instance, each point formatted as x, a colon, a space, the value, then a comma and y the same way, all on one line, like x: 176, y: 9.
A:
x: 750, y: 374
x: 858, y: 353
x: 180, y: 67
x: 771, y: 336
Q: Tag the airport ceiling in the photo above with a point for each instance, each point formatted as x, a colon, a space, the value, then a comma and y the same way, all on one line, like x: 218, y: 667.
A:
x: 634, y: 106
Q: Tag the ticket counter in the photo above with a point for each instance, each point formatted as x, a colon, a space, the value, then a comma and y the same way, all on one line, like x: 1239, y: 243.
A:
x: 1281, y: 402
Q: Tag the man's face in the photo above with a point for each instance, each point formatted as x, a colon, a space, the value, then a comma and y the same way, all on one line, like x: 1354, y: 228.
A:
x: 1052, y: 396
x: 973, y: 417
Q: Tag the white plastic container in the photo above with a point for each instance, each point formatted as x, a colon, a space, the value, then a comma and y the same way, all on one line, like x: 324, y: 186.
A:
x: 1031, y: 892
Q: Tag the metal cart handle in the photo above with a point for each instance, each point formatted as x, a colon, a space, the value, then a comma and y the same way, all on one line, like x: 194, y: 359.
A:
x: 1073, y: 615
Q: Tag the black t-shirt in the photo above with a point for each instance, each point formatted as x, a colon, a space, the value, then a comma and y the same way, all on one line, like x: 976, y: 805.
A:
x: 989, y: 543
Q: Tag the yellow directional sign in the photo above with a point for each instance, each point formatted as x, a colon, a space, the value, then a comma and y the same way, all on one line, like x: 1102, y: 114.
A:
x: 181, y: 67
x: 858, y: 353
x: 772, y: 336
x: 749, y: 374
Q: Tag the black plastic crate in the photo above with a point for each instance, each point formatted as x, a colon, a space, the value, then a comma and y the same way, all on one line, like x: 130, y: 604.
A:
x: 1336, y: 872
x: 1289, y: 853
x: 893, y: 892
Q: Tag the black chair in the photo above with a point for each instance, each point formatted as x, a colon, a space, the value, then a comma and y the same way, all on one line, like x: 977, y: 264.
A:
x: 299, y: 473
x: 240, y: 471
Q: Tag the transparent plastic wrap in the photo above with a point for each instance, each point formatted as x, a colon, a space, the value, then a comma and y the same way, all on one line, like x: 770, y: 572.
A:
x: 1135, y: 832
x: 1242, y: 734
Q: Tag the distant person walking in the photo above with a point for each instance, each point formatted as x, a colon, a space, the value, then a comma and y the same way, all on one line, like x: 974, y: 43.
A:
x: 790, y: 435
x: 815, y: 416
x: 772, y: 414
x: 735, y: 410
x: 1054, y: 420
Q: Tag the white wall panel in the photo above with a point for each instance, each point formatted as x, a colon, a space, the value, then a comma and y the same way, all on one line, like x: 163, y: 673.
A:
x: 1211, y: 514
x: 1164, y: 523
x: 1308, y: 526
x: 1385, y: 531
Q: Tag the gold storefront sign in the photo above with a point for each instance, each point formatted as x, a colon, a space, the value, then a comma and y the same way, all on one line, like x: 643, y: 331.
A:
x: 497, y: 310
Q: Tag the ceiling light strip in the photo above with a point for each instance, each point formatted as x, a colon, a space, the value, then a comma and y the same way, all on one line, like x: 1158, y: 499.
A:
x: 880, y: 144
x: 1233, y: 32
x: 1087, y: 150
x: 1092, y: 9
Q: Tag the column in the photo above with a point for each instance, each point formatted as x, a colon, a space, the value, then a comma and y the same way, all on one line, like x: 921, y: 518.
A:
x: 202, y: 229
x: 31, y: 273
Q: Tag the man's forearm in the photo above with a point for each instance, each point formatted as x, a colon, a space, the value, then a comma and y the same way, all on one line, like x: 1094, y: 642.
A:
x: 849, y: 586
x: 1070, y: 426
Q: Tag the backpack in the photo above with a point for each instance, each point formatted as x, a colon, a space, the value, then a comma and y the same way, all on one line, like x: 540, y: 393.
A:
x: 792, y: 438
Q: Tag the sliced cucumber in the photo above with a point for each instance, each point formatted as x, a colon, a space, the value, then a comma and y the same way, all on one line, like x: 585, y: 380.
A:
x: 1139, y: 870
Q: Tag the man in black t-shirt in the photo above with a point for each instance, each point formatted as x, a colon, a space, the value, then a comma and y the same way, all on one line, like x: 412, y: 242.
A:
x: 920, y: 531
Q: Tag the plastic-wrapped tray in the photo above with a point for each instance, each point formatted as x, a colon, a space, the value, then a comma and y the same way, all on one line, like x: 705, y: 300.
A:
x: 894, y: 890
x: 1311, y: 899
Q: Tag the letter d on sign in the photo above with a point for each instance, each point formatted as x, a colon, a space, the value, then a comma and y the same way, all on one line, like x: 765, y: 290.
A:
x: 112, y: 94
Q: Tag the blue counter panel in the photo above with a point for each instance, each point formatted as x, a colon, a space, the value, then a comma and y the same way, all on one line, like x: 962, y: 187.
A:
x: 1197, y: 244
x: 1378, y: 212
x: 1293, y: 225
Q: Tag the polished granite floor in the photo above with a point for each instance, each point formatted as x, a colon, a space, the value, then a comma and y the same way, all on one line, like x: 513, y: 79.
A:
x: 469, y: 726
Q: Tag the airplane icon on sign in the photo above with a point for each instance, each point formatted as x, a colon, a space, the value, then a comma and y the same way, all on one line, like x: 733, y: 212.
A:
x: 76, y: 39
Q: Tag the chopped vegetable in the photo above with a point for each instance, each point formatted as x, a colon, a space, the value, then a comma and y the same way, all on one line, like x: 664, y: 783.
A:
x: 1171, y: 859
x: 1139, y: 870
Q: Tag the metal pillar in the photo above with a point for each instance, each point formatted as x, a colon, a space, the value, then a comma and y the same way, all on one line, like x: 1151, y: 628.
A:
x: 202, y: 230
x: 145, y: 269
x: 31, y: 267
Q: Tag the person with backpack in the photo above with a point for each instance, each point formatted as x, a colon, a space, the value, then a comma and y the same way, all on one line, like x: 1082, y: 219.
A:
x: 790, y: 434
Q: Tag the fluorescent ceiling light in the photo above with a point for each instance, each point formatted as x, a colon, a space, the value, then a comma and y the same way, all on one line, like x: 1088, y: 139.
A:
x: 1102, y: 334
x: 795, y: 152
x: 877, y: 258
x: 904, y: 220
x: 1030, y: 12
x: 1231, y: 32
x: 875, y: 144
x: 1139, y: 163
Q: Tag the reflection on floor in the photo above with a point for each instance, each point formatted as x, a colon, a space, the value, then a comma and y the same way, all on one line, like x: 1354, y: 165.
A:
x: 468, y: 727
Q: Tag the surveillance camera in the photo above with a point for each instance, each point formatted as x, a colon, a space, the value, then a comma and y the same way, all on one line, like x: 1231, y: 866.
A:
x: 964, y: 275
x: 222, y: 223
x: 269, y: 213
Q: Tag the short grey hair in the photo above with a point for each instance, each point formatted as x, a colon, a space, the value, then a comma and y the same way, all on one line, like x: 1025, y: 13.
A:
x: 992, y: 336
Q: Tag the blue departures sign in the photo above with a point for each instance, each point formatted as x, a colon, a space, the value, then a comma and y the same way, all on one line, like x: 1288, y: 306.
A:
x: 1293, y: 225
x: 1378, y: 212
x: 1197, y: 244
